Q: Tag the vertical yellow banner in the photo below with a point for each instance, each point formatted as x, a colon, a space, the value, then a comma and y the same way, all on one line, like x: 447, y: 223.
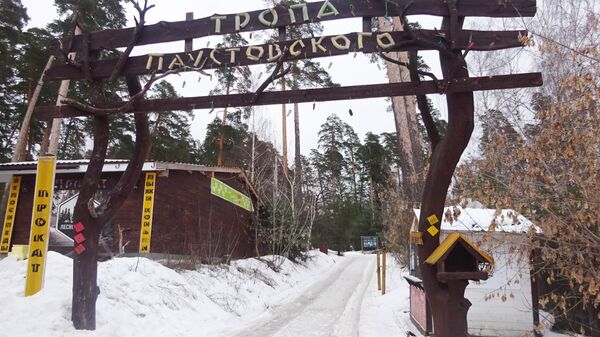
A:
x: 11, y: 211
x: 148, y: 208
x: 40, y: 225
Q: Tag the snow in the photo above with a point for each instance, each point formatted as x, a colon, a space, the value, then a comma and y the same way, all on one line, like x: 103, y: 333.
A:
x: 141, y: 297
x: 389, y: 314
x: 326, y: 296
x: 458, y: 218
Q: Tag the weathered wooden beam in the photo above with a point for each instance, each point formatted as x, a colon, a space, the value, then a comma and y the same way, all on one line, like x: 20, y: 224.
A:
x: 300, y: 49
x: 311, y: 95
x: 189, y: 43
x: 464, y: 275
x: 315, y: 11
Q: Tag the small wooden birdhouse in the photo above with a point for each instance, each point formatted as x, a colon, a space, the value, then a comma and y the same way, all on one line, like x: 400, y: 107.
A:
x: 457, y: 258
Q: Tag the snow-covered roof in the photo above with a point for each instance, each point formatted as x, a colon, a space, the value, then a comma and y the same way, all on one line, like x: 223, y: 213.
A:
x: 7, y: 170
x: 457, y: 218
x: 111, y: 165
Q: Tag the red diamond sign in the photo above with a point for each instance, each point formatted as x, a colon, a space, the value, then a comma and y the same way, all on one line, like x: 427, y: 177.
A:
x: 79, y: 227
x: 79, y: 249
x: 79, y: 238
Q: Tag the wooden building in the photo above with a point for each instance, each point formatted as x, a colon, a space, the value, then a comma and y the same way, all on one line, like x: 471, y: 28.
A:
x: 510, y: 312
x: 187, y: 218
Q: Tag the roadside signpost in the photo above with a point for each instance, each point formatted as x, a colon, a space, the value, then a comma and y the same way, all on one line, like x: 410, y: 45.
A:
x: 369, y: 242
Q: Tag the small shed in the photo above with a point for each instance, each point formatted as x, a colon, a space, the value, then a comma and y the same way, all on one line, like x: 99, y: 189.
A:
x: 187, y: 219
x: 501, y: 304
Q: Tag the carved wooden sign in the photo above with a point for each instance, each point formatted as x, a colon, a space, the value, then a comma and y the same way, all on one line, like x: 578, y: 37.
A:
x: 282, y: 16
x: 324, y: 46
x: 367, y: 41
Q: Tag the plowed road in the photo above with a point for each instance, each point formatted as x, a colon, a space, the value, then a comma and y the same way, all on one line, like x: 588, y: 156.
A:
x: 330, y: 307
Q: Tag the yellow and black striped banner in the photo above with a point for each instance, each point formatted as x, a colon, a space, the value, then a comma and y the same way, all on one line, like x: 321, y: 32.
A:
x: 11, y: 211
x: 147, y: 211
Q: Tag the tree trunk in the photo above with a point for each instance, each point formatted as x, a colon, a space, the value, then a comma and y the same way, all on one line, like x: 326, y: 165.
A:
x: 46, y: 139
x: 85, y: 275
x: 85, y: 265
x: 405, y: 117
x: 253, y: 154
x: 284, y: 150
x: 220, y: 154
x: 448, y: 305
x: 63, y: 91
x: 297, y: 156
x: 20, y: 147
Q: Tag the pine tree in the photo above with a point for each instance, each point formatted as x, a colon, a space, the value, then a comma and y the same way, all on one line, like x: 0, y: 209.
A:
x: 13, y: 18
x: 376, y: 174
x: 171, y: 131
x: 236, y: 141
x: 96, y: 15
x: 231, y: 78
x: 303, y: 74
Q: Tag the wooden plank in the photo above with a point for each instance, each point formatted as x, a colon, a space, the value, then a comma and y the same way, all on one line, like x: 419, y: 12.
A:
x: 306, y: 48
x: 184, y: 30
x: 464, y: 275
x: 189, y: 43
x: 311, y: 95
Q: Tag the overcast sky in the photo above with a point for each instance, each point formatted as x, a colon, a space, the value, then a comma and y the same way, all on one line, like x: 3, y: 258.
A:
x: 370, y: 115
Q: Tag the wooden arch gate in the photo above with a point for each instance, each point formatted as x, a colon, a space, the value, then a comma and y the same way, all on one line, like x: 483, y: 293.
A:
x: 451, y: 41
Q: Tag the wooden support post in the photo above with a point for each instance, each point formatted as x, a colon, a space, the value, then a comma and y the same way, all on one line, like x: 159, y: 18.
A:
x: 383, y: 272
x: 378, y: 271
x: 189, y: 43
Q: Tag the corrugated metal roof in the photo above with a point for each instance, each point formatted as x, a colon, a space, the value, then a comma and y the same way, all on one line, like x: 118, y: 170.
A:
x: 449, y: 242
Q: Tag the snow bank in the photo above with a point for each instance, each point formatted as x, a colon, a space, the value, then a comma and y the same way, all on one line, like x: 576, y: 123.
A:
x: 140, y: 297
x: 389, y: 314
